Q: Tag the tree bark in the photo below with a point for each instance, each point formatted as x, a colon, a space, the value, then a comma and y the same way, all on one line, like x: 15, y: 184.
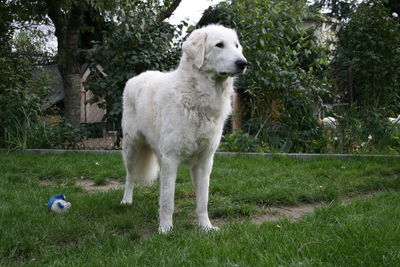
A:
x: 68, y: 27
x: 72, y: 100
x: 237, y: 117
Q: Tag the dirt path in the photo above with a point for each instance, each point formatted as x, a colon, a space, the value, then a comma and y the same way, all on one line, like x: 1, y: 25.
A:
x: 274, y: 213
x: 91, y: 187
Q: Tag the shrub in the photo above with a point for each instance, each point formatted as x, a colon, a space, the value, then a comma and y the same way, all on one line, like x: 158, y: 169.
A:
x: 285, y: 82
x: 368, y: 58
x: 132, y: 45
x: 241, y: 142
x: 23, y: 96
x: 363, y: 132
x: 21, y: 99
x: 366, y: 66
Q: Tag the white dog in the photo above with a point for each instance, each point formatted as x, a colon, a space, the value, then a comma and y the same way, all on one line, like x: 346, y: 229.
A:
x: 178, y: 117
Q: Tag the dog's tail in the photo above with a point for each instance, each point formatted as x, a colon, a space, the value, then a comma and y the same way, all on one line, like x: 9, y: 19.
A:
x: 147, y: 167
x: 141, y: 163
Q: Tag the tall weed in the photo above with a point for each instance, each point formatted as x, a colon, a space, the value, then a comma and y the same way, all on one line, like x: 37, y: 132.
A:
x: 27, y: 130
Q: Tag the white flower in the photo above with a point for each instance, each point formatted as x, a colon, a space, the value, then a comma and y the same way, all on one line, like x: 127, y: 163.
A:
x: 335, y: 138
x: 369, y: 137
x: 394, y: 14
x: 97, y: 164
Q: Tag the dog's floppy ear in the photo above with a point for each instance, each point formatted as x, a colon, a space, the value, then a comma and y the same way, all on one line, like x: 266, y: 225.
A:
x: 194, y: 47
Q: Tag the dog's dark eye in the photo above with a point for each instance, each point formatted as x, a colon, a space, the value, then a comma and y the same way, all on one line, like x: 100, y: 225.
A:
x: 237, y: 46
x: 220, y: 45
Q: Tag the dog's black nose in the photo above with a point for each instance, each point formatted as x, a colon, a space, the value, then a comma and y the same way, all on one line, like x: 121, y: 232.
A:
x: 241, y: 64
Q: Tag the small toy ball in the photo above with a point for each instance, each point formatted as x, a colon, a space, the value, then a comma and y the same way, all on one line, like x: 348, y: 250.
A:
x: 58, y: 204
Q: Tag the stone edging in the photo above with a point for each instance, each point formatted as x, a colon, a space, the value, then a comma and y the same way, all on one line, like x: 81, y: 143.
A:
x: 223, y: 154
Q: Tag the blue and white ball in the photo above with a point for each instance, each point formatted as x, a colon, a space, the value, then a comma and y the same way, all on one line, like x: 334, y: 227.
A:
x: 58, y: 204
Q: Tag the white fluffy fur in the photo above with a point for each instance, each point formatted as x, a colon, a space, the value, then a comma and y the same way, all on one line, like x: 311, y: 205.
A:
x: 178, y: 117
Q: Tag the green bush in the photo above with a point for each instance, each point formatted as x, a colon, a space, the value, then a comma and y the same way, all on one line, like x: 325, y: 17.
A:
x: 23, y: 96
x: 241, y: 142
x: 288, y: 77
x: 285, y: 81
x: 21, y: 99
x: 366, y: 66
x: 368, y: 58
x: 133, y: 45
x: 362, y: 132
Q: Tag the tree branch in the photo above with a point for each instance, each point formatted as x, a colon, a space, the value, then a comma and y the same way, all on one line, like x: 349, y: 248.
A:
x: 55, y: 14
x: 168, y: 12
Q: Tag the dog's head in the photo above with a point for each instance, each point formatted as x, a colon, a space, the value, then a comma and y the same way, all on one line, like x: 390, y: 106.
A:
x: 215, y: 49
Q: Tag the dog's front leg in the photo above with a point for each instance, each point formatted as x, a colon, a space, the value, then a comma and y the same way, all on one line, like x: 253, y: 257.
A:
x: 201, y: 180
x: 167, y: 191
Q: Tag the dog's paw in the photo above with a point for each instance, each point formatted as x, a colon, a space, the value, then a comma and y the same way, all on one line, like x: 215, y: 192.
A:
x: 164, y: 229
x: 209, y: 227
x: 126, y: 202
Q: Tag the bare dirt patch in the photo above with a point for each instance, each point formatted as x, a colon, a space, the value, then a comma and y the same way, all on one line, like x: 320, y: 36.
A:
x: 274, y: 213
x: 292, y: 212
x: 91, y: 187
x: 46, y: 182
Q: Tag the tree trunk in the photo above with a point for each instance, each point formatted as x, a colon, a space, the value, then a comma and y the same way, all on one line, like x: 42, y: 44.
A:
x: 72, y: 100
x: 67, y: 31
x: 237, y: 113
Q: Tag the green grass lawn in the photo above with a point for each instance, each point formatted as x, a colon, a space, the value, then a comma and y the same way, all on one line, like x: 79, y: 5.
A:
x: 99, y: 231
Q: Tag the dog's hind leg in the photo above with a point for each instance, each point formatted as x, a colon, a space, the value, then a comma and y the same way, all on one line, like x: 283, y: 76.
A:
x: 141, y: 166
x: 130, y: 153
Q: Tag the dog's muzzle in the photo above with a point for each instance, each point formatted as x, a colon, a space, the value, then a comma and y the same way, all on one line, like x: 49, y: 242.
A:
x: 241, y: 65
x: 240, y: 68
